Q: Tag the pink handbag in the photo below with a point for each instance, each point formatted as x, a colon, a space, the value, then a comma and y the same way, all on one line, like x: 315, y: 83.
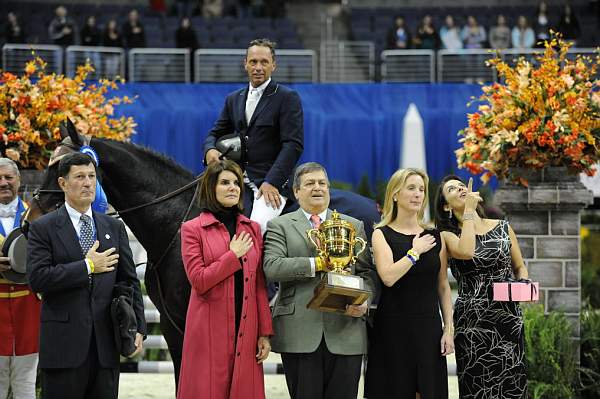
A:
x: 516, y: 291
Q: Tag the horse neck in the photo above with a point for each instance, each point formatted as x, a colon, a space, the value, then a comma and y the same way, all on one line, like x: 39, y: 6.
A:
x: 133, y: 176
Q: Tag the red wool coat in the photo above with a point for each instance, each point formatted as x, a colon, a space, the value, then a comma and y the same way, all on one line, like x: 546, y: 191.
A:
x: 213, y: 365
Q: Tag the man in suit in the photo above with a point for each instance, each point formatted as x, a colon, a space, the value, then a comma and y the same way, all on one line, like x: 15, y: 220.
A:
x: 75, y: 256
x: 19, y: 306
x: 321, y: 352
x: 268, y: 118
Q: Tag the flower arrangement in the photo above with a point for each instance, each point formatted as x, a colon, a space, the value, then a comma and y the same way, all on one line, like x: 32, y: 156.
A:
x: 33, y: 105
x: 541, y: 116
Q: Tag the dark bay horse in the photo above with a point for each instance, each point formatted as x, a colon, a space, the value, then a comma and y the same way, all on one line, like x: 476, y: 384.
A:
x: 132, y: 175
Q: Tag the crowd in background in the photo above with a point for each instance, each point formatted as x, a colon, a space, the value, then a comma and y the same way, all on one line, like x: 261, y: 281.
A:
x: 525, y: 34
x: 528, y: 31
x: 64, y: 30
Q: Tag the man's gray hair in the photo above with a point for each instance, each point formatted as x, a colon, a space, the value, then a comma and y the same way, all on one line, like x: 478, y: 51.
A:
x: 305, y: 168
x: 7, y: 162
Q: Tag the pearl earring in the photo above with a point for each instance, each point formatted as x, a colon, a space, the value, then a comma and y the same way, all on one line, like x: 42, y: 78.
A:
x: 450, y: 213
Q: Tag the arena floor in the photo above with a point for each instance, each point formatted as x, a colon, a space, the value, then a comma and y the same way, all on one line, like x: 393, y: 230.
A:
x: 162, y: 386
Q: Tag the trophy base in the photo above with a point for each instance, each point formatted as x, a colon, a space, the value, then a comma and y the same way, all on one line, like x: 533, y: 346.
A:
x: 336, y: 291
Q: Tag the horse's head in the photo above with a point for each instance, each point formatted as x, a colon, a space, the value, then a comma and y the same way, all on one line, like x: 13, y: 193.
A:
x: 49, y: 196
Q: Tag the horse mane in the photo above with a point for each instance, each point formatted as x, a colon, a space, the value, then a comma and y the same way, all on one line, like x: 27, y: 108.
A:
x: 160, y: 162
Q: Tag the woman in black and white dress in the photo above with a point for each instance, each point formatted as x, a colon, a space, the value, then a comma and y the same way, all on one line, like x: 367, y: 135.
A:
x: 489, y: 343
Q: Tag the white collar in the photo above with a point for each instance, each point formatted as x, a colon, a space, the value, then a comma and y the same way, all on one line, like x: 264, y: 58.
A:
x: 260, y: 88
x: 12, y: 204
x: 75, y: 215
x: 322, y: 215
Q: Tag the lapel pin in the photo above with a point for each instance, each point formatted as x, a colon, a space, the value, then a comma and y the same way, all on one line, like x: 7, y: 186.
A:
x: 107, y: 236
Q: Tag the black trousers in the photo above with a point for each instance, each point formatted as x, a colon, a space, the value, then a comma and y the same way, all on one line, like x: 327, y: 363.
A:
x: 321, y: 374
x: 88, y: 381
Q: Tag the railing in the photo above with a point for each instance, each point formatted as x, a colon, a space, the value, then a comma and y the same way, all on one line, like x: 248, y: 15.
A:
x: 345, y: 61
x: 14, y: 57
x: 108, y: 62
x: 226, y: 65
x: 340, y: 61
x: 408, y: 66
x: 159, y: 65
x: 464, y: 66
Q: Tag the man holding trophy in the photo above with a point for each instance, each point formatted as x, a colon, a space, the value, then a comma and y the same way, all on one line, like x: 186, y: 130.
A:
x: 325, y: 275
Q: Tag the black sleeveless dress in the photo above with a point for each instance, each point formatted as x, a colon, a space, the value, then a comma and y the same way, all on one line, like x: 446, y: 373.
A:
x: 490, y: 358
x: 405, y: 352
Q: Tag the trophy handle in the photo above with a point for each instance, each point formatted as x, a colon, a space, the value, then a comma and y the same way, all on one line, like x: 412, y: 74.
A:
x: 311, y: 233
x: 364, y: 246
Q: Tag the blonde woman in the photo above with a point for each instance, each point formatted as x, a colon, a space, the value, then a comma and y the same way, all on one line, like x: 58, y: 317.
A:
x: 408, y: 344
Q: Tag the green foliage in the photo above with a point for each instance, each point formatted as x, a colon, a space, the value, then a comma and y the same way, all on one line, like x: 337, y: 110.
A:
x: 340, y: 185
x: 590, y: 353
x: 364, y: 188
x: 590, y: 267
x: 550, y: 353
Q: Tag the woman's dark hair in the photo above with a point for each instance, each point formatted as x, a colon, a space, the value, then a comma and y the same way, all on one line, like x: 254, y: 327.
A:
x: 443, y: 220
x: 207, y: 197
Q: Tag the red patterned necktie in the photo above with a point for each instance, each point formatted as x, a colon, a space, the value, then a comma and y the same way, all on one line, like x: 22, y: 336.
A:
x: 315, y: 220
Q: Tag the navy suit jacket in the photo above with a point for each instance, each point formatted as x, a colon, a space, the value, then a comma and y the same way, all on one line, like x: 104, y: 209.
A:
x: 70, y: 307
x: 274, y: 138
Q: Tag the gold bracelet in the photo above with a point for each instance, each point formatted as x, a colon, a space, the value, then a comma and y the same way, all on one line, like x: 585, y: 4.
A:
x: 449, y: 328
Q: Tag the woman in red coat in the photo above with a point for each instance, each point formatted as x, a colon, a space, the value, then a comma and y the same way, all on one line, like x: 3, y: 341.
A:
x: 228, y: 320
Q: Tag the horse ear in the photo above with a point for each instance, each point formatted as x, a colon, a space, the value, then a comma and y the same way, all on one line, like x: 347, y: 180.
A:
x: 67, y: 129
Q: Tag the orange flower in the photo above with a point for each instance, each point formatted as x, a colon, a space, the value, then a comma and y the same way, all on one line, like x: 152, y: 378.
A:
x: 35, y: 103
x: 544, y: 113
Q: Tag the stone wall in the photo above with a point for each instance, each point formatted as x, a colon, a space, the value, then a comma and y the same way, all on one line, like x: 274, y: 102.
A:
x: 546, y: 218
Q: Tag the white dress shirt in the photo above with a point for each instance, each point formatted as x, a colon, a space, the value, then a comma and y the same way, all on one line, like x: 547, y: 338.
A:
x: 9, y: 222
x: 75, y: 217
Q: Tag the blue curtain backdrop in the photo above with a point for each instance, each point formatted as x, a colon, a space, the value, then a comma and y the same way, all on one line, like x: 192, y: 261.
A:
x: 352, y: 129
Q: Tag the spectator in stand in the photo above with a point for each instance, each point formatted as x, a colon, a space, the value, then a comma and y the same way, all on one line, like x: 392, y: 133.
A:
x: 91, y: 36
x: 185, y: 35
x: 522, y: 35
x: 427, y: 37
x: 14, y: 30
x: 450, y: 35
x: 90, y: 33
x: 500, y: 34
x: 473, y: 34
x: 212, y: 8
x: 541, y: 24
x: 133, y: 31
x: 569, y: 25
x: 398, y: 37
x: 62, y: 28
x: 112, y: 38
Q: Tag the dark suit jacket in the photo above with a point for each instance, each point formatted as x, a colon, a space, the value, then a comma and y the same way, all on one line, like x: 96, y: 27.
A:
x: 56, y: 269
x: 274, y: 137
